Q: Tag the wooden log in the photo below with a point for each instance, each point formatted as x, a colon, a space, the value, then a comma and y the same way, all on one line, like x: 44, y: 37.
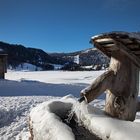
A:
x: 121, y: 86
x: 98, y: 86
x: 128, y: 53
x: 121, y: 100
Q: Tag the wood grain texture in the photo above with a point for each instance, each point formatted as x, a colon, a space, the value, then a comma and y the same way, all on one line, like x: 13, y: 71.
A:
x: 121, y: 85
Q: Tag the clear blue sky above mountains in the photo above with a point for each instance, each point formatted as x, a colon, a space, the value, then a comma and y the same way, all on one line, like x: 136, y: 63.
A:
x: 64, y: 25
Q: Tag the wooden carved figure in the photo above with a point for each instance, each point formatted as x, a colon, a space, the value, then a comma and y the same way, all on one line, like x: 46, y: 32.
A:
x: 121, y: 81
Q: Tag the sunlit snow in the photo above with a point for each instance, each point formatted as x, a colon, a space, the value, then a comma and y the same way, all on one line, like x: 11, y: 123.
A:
x: 22, y: 91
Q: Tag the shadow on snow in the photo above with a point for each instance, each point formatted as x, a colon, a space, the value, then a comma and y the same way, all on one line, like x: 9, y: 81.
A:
x: 36, y: 88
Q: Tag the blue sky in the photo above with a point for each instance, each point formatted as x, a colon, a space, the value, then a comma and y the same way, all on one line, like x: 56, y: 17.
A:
x: 64, y: 25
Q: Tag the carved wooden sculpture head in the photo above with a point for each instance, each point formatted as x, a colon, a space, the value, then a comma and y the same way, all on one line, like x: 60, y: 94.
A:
x: 121, y: 80
x: 123, y: 43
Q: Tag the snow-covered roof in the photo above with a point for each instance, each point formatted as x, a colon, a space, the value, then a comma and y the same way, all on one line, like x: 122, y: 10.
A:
x: 133, y: 35
x: 128, y: 43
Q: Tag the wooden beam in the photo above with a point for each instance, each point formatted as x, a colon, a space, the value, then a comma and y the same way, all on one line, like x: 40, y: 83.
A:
x: 136, y: 52
x: 111, y: 47
x: 129, y: 53
x: 101, y: 41
x: 133, y: 47
x: 104, y: 40
x: 102, y: 49
x: 127, y: 40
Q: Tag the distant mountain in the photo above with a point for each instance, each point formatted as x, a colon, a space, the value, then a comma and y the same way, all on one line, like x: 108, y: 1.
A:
x: 19, y: 55
x: 87, y: 57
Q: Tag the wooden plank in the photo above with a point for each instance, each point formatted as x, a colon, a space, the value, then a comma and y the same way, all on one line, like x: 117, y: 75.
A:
x: 104, y: 40
x: 136, y: 52
x: 129, y: 53
x: 110, y: 39
x: 102, y: 49
x: 133, y: 46
x: 118, y: 36
x: 106, y: 43
x: 110, y: 47
x: 126, y: 41
x: 138, y: 41
x: 123, y: 48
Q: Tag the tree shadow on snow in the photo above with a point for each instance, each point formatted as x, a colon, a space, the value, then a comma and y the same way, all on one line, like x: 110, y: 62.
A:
x: 36, y: 88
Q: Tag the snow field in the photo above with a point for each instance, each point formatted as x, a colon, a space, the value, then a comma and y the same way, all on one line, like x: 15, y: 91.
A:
x: 22, y: 87
x: 14, y: 114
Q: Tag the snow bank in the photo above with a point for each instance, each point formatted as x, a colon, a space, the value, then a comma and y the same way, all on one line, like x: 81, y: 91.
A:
x: 106, y: 127
x: 46, y: 122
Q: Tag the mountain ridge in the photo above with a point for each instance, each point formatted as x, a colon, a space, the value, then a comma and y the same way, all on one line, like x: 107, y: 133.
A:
x: 18, y: 54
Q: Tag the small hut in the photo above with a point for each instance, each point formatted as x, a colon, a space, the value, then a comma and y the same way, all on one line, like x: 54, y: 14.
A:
x: 3, y: 64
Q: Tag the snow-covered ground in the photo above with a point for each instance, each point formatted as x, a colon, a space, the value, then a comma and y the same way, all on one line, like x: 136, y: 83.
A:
x: 93, y: 118
x: 27, y: 89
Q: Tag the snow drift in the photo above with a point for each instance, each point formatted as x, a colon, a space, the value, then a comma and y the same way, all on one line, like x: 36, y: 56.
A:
x: 46, y: 124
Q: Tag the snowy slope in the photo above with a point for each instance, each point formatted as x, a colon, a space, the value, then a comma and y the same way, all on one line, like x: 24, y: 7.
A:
x: 14, y: 111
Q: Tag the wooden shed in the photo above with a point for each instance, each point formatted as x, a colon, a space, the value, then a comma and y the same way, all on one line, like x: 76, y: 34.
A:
x: 3, y: 64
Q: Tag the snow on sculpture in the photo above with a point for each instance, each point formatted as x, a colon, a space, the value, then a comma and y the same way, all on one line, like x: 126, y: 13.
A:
x: 46, y: 122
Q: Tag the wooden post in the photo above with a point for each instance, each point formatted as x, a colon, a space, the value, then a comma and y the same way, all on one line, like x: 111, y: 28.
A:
x: 3, y: 66
x: 121, y: 100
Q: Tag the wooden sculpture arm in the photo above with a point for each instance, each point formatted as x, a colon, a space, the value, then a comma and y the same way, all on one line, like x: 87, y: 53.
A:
x: 102, y: 83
